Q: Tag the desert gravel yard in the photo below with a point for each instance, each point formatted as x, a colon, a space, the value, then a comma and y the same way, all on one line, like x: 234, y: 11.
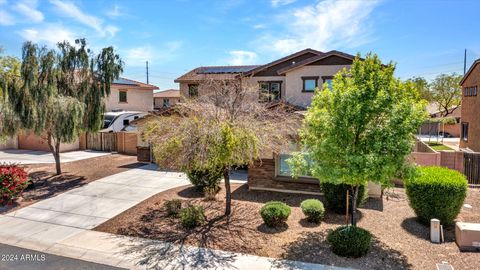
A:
x: 75, y: 174
x: 400, y: 241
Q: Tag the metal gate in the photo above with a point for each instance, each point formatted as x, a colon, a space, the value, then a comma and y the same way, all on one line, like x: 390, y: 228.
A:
x: 471, y: 165
x: 102, y: 141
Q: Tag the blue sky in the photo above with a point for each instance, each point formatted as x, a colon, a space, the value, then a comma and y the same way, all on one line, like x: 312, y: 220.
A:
x: 425, y: 38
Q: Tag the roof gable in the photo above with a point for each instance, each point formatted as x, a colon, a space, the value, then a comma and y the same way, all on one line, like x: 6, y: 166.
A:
x: 128, y: 82
x: 469, y: 71
x: 271, y: 69
x: 329, y: 58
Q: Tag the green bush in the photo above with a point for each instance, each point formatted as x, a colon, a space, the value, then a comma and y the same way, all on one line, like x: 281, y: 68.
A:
x: 173, y: 207
x: 313, y: 209
x: 349, y: 241
x: 202, y: 179
x: 436, y: 192
x: 335, y: 195
x: 192, y: 216
x: 275, y: 213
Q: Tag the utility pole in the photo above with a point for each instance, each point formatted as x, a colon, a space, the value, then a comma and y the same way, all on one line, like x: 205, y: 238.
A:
x: 147, y: 73
x: 465, y: 62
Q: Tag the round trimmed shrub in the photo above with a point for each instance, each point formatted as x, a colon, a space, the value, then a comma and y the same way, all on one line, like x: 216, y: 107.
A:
x: 313, y: 209
x: 436, y: 192
x: 202, y: 179
x: 335, y: 195
x: 350, y: 241
x: 173, y: 207
x: 13, y: 180
x: 275, y: 213
x: 192, y: 216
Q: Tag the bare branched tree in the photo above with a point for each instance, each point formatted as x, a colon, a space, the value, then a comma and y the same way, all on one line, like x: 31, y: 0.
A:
x: 224, y: 127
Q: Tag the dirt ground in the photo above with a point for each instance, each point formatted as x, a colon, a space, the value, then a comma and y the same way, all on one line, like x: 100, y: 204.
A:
x: 75, y: 174
x: 400, y: 241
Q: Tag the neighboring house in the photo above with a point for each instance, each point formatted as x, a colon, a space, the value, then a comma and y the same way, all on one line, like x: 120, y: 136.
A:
x: 434, y: 126
x: 470, y: 122
x: 130, y: 95
x: 166, y: 98
x: 292, y: 80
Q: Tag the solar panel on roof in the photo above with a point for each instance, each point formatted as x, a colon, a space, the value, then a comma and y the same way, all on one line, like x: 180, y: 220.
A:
x: 222, y: 70
x: 123, y: 81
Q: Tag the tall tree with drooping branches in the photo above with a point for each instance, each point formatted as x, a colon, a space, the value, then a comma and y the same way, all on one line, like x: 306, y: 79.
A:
x: 362, y: 130
x: 60, y: 93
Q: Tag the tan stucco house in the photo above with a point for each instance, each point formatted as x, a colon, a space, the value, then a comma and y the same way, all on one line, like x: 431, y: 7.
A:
x: 130, y: 95
x: 292, y: 79
x: 166, y: 98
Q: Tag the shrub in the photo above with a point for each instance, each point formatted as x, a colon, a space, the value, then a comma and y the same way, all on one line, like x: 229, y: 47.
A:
x: 13, y: 180
x: 275, y: 213
x: 202, y: 179
x: 192, y: 216
x: 350, y: 241
x: 335, y: 195
x: 313, y: 209
x: 436, y: 192
x: 173, y: 207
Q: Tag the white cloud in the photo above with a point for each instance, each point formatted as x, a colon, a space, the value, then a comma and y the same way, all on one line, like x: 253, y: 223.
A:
x: 138, y: 55
x: 51, y: 34
x: 28, y: 8
x: 276, y: 3
x: 259, y: 26
x: 115, y: 12
x: 238, y: 58
x: 324, y: 25
x: 69, y: 9
x: 6, y: 18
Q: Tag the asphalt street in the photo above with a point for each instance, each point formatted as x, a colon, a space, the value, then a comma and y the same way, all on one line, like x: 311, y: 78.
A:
x: 14, y: 258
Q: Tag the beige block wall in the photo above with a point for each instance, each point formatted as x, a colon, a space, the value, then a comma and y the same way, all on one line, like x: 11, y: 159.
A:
x: 31, y: 141
x: 294, y: 82
x: 10, y: 143
x: 137, y: 99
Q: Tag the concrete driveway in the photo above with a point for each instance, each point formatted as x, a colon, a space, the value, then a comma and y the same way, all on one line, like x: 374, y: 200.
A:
x: 20, y: 156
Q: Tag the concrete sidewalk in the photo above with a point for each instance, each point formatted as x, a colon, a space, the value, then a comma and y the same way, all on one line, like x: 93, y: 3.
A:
x: 61, y: 226
x: 24, y: 157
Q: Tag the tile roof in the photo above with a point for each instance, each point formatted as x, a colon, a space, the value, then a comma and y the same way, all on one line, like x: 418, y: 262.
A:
x: 169, y: 93
x: 316, y: 58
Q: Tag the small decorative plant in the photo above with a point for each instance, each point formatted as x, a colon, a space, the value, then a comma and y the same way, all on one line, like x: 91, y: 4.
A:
x: 192, y: 216
x: 275, y: 213
x: 210, y: 193
x: 436, y: 192
x: 13, y: 180
x: 173, y: 207
x: 350, y: 241
x: 313, y: 210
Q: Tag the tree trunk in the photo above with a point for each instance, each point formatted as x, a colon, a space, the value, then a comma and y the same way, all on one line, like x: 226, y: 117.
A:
x: 228, y: 206
x: 354, y: 205
x: 55, y: 149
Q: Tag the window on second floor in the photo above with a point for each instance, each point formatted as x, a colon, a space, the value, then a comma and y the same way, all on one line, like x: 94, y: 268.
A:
x: 122, y: 96
x: 310, y: 83
x: 328, y: 80
x: 193, y: 90
x: 464, y: 131
x: 270, y: 91
x: 470, y: 91
x: 166, y: 102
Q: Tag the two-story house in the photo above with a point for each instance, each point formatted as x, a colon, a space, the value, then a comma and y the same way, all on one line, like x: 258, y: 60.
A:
x: 130, y: 95
x: 470, y: 120
x: 292, y: 79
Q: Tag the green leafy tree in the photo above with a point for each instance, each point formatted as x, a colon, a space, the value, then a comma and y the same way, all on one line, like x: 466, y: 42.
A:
x: 362, y: 130
x: 60, y: 93
x: 223, y: 128
x: 9, y: 68
x: 447, y: 93
x: 423, y: 88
